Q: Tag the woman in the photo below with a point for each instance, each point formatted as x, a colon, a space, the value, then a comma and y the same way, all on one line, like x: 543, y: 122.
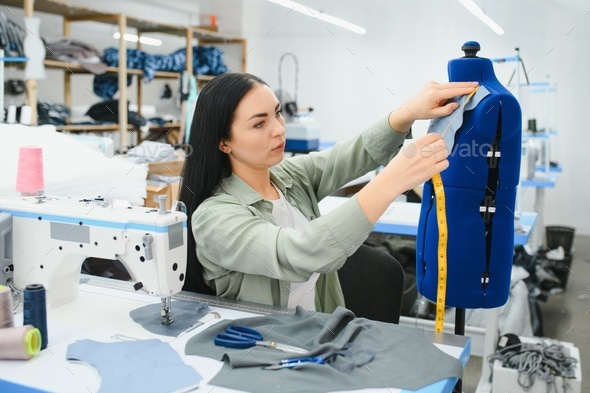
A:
x: 254, y: 216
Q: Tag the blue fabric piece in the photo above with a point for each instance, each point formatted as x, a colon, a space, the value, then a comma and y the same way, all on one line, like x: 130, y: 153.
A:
x: 106, y: 85
x: 449, y: 125
x: 465, y: 184
x: 146, y: 366
x: 206, y: 61
x: 12, y: 387
x: 185, y: 314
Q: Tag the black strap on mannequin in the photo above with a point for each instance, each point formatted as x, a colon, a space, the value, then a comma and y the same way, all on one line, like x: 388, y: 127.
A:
x: 488, y: 205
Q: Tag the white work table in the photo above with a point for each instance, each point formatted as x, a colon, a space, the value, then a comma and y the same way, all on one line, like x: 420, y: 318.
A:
x: 402, y: 219
x: 101, y: 313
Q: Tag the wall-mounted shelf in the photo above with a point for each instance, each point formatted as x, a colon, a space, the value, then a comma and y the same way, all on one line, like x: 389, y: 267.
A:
x: 89, y: 127
x: 548, y: 181
x: 11, y: 59
x: 56, y: 64
x: 538, y: 135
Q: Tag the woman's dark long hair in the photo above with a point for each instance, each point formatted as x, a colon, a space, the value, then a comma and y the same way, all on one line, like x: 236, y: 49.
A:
x: 206, y: 166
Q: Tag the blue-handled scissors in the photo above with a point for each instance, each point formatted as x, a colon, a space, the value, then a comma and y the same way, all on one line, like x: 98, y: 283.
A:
x: 290, y: 363
x: 237, y: 336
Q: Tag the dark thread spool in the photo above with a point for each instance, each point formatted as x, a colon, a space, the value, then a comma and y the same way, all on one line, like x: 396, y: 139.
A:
x: 35, y: 311
x: 533, y: 125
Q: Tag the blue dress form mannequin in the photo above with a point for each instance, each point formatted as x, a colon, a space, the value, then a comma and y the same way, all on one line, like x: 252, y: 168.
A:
x: 480, y: 192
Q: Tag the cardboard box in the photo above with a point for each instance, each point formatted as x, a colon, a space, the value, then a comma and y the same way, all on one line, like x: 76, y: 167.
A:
x: 506, y: 379
x: 154, y: 188
x: 161, y: 188
x: 166, y: 168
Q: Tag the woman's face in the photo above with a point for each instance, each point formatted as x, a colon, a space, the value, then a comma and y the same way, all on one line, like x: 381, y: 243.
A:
x: 257, y: 133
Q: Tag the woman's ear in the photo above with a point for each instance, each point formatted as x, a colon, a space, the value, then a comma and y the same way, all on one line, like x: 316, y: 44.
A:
x: 224, y: 147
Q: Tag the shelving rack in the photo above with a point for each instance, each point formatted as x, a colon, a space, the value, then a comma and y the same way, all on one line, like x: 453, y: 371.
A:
x: 6, y: 59
x: 545, y: 177
x: 545, y: 112
x: 72, y: 13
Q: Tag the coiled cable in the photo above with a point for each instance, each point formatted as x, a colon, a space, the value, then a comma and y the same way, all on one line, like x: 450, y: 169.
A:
x: 544, y: 361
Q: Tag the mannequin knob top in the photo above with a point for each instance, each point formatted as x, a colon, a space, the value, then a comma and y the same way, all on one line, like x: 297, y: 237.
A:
x: 470, y: 48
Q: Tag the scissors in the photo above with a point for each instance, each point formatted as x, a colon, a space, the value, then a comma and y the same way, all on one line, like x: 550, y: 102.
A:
x: 238, y: 336
x: 290, y: 363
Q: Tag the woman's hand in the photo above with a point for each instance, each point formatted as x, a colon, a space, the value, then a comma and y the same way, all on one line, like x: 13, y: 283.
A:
x: 417, y: 162
x: 428, y: 103
x: 413, y: 165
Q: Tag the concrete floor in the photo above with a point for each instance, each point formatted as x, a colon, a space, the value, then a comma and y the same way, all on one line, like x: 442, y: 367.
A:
x: 566, y: 317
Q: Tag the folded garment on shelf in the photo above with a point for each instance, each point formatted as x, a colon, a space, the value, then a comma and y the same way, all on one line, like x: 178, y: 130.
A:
x: 76, y: 51
x: 108, y: 111
x: 11, y: 37
x: 206, y: 61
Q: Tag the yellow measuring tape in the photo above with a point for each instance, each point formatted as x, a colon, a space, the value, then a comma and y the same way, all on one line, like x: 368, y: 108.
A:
x: 443, y: 238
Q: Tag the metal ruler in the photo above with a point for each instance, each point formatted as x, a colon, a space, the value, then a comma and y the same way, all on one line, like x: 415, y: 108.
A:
x: 190, y: 296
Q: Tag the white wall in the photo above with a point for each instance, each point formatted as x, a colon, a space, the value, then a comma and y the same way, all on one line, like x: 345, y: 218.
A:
x: 351, y: 80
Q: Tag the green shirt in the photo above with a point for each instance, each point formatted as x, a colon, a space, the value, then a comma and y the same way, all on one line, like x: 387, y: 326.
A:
x: 246, y: 256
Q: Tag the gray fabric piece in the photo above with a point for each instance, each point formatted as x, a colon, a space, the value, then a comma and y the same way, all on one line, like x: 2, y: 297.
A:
x: 146, y: 366
x: 404, y: 357
x: 351, y: 356
x: 184, y: 312
x: 455, y: 119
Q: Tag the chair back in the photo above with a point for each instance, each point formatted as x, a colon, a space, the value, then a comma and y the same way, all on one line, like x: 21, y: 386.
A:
x: 373, y: 285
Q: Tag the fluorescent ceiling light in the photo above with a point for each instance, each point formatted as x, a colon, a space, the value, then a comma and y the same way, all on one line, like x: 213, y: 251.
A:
x: 142, y: 39
x: 320, y: 15
x: 475, y: 10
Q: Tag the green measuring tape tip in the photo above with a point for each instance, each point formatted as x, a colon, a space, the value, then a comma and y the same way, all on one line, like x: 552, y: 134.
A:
x: 33, y: 341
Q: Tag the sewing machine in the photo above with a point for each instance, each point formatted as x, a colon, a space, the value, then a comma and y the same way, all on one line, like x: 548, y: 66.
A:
x: 45, y: 240
x: 303, y: 134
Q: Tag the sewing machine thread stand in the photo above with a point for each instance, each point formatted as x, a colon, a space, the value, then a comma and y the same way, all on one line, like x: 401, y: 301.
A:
x: 162, y: 200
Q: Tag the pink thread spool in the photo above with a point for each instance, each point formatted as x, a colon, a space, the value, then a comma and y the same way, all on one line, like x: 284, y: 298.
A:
x: 19, y: 343
x: 29, y: 179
